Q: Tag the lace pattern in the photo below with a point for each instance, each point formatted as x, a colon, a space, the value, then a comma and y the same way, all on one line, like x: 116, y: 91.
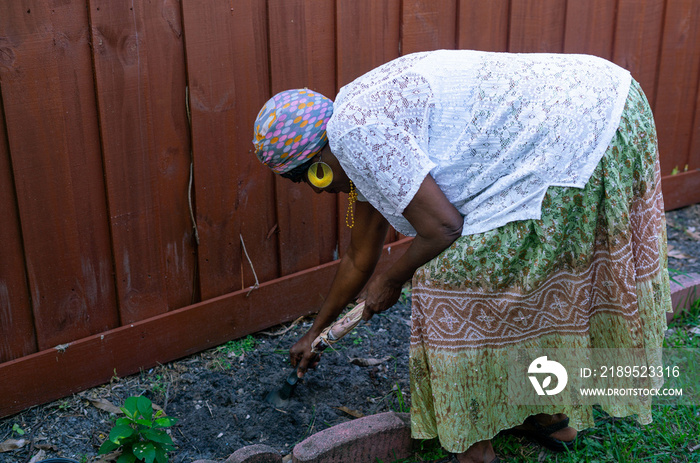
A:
x: 495, y: 130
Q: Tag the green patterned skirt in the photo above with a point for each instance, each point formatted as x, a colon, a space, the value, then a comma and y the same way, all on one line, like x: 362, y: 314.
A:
x: 591, y: 273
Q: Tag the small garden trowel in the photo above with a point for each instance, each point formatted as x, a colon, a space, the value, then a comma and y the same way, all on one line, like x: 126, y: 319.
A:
x: 281, y: 395
x: 327, y: 338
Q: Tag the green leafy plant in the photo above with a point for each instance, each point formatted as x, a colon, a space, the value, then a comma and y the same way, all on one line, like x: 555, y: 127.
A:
x: 140, y: 433
x: 16, y: 429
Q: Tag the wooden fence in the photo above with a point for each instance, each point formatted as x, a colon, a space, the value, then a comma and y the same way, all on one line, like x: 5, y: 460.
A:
x: 124, y: 123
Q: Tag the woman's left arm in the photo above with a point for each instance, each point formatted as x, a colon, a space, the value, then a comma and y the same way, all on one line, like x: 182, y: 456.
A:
x: 437, y: 223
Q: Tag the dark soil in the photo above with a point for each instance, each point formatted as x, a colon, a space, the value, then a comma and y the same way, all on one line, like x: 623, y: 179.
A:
x: 217, y: 396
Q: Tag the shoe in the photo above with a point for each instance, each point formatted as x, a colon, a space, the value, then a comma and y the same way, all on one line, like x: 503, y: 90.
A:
x: 543, y: 434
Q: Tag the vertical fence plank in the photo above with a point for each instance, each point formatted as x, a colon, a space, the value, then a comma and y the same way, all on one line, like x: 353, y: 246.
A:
x: 229, y: 81
x: 590, y: 27
x: 694, y: 157
x: 428, y: 25
x: 49, y: 106
x: 17, y: 336
x: 483, y: 25
x: 139, y: 69
x: 677, y: 86
x: 637, y: 41
x: 302, y: 54
x: 537, y: 26
x: 367, y: 36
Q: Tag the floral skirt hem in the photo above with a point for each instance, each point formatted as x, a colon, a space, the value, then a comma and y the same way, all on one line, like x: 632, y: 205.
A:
x: 590, y: 273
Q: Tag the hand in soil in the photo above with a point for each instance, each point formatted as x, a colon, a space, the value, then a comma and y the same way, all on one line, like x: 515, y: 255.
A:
x: 300, y: 354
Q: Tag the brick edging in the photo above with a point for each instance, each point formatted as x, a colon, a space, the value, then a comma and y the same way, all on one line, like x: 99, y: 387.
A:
x: 685, y: 289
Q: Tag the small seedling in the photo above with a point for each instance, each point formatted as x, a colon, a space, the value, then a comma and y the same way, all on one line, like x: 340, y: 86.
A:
x: 140, y: 433
x: 238, y: 347
x: 159, y: 385
x: 16, y: 429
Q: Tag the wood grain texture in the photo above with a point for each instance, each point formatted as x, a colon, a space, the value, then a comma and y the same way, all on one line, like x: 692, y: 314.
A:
x: 681, y: 190
x: 229, y: 82
x: 49, y: 107
x: 537, y: 26
x: 139, y: 72
x: 677, y: 83
x: 302, y: 54
x: 483, y: 25
x: 638, y: 41
x: 694, y: 157
x: 17, y: 336
x: 428, y: 25
x: 368, y: 36
x: 590, y: 27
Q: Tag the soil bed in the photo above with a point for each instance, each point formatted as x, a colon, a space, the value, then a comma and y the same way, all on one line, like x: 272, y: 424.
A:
x: 217, y: 395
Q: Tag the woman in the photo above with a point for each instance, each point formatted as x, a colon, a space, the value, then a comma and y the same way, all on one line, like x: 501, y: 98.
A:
x: 531, y: 186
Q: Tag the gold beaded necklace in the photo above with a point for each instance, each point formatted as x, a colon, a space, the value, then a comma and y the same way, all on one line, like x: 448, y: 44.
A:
x: 350, y: 213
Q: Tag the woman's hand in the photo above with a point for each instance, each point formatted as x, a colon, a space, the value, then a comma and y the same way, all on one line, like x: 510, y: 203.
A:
x: 381, y: 294
x: 300, y: 354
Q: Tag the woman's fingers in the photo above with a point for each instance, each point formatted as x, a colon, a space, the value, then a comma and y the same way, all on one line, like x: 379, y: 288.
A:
x: 307, y: 362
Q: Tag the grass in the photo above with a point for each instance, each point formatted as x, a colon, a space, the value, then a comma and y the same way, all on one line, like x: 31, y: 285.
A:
x: 672, y: 437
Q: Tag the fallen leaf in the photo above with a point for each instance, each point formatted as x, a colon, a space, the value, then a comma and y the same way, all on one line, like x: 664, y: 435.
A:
x: 677, y: 254
x: 107, y: 457
x: 690, y: 231
x: 105, y: 405
x: 12, y: 444
x: 695, y: 330
x: 38, y: 457
x: 368, y: 362
x: 350, y: 412
x: 46, y: 447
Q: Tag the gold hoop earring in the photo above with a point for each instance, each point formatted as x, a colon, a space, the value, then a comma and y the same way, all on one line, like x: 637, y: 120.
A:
x: 320, y: 174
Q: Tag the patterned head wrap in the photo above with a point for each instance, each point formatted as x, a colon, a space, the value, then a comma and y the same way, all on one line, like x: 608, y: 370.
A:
x: 291, y: 128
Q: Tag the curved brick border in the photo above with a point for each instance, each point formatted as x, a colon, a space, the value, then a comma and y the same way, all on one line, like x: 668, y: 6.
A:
x: 387, y: 436
x: 685, y: 289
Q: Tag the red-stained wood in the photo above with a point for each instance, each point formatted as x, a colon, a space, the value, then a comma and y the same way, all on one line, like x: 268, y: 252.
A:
x: 590, y: 27
x: 49, y: 106
x: 139, y: 73
x: 638, y: 40
x: 428, y: 25
x: 228, y: 78
x: 537, y: 26
x: 165, y: 337
x: 694, y: 158
x: 302, y: 54
x: 368, y: 36
x: 678, y: 79
x: 483, y: 25
x: 16, y: 325
x: 681, y: 190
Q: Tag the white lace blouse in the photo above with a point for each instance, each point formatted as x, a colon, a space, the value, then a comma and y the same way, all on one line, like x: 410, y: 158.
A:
x: 495, y: 130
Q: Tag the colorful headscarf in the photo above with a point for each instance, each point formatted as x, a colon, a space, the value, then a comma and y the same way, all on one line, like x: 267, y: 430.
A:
x: 291, y: 128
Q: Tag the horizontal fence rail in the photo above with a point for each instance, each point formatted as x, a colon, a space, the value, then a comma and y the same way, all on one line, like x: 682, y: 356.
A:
x: 138, y: 226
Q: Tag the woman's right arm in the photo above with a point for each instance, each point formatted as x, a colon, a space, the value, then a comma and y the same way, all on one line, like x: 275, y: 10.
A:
x: 356, y: 267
